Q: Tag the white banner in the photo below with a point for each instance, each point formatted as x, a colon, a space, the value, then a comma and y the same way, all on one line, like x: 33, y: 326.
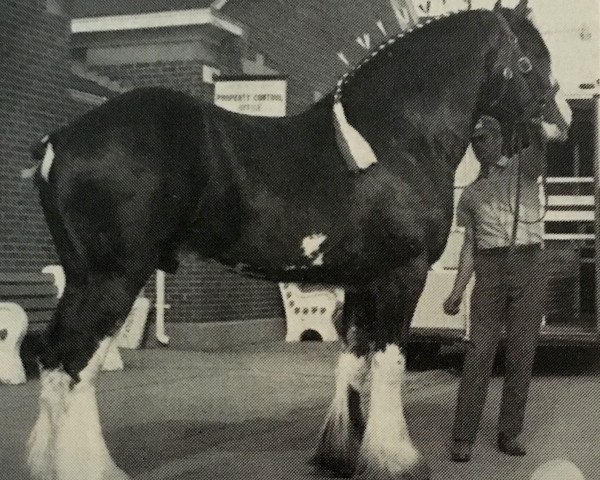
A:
x: 261, y: 96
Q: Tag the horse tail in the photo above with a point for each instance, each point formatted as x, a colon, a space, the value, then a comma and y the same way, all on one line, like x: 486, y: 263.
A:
x: 69, y: 247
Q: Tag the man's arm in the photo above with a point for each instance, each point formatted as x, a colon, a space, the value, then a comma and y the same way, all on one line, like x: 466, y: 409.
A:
x: 465, y: 270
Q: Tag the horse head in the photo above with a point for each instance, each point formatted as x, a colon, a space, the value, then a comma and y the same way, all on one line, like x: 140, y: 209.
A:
x: 522, y: 90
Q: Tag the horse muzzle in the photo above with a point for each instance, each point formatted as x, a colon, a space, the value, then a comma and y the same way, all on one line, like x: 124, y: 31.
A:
x: 556, y: 119
x: 554, y: 133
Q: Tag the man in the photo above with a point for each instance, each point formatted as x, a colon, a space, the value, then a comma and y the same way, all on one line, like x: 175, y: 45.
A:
x: 508, y: 293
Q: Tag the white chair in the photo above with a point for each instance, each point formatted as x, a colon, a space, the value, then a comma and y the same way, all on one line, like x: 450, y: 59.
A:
x: 132, y: 331
x: 311, y: 308
x: 13, y: 326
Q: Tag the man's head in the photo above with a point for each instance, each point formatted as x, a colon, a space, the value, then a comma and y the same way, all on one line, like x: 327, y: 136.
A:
x: 487, y: 141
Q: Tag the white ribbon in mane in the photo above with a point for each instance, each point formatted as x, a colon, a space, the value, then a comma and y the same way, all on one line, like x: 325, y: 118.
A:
x: 354, y: 148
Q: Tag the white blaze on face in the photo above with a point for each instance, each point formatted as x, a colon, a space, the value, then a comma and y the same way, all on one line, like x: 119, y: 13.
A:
x: 311, y: 246
x: 47, y: 161
x: 551, y: 130
x: 561, y: 101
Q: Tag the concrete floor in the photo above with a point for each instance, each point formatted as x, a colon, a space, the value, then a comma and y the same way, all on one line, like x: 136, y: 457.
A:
x: 254, y: 412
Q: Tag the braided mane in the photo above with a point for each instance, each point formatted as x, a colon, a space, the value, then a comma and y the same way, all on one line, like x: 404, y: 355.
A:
x: 383, y: 47
x: 356, y: 138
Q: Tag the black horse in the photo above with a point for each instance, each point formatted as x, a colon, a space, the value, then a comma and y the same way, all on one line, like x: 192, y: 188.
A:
x: 128, y: 185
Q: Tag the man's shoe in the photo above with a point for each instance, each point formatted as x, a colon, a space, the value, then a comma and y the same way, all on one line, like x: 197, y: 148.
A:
x: 461, y: 451
x: 511, y: 445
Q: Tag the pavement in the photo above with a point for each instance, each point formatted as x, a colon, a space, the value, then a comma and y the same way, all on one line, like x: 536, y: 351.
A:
x: 254, y: 412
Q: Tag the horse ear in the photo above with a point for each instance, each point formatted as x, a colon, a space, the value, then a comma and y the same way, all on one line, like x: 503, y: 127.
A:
x: 521, y: 10
x: 498, y: 5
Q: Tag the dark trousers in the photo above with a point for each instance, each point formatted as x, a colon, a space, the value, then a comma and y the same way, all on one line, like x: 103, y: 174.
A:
x: 508, y: 292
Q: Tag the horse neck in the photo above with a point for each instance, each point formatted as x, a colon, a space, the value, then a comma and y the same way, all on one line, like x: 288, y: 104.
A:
x: 423, y: 100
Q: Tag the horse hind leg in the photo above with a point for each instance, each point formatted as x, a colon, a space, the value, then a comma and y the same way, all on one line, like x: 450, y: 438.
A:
x: 67, y: 442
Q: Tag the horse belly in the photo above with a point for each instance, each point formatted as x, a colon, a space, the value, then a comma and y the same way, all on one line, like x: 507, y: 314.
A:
x: 341, y: 237
x: 322, y: 252
x: 281, y: 242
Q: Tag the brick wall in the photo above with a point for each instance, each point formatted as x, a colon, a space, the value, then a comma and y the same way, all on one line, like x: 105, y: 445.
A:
x: 301, y: 39
x: 204, y: 291
x: 33, y: 101
x: 181, y: 75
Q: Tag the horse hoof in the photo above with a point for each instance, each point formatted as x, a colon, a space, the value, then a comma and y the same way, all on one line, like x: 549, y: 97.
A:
x: 339, y: 460
x: 337, y: 451
x: 335, y: 467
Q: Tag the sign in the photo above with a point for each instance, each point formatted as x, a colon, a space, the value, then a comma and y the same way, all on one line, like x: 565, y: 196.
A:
x: 259, y: 96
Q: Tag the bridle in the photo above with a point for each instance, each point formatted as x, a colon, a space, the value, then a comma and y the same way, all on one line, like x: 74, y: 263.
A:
x: 520, y: 119
x: 517, y: 59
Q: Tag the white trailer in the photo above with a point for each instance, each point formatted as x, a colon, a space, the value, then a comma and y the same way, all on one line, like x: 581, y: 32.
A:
x: 571, y: 253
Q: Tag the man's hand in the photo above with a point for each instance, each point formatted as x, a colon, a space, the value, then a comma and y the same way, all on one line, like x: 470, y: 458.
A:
x: 452, y: 304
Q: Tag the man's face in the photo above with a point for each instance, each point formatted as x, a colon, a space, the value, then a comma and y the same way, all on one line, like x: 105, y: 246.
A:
x: 487, y: 147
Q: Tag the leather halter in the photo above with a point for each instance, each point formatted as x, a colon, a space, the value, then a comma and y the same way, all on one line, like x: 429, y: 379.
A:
x: 524, y: 66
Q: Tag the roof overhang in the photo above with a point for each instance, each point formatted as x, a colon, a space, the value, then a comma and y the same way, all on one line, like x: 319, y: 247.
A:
x: 166, y: 19
x: 86, y: 97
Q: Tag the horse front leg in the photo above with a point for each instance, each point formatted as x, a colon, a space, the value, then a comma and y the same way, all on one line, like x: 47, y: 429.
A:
x: 67, y: 442
x: 387, y: 451
x: 342, y: 432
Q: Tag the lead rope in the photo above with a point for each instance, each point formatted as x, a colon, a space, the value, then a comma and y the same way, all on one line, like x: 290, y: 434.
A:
x: 516, y: 219
x: 513, y: 239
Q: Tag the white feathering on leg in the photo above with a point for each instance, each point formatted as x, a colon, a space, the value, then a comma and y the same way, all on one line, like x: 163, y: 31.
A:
x: 80, y: 446
x: 41, y: 444
x: 387, y: 450
x: 338, y: 445
x: 350, y: 371
x: 67, y: 441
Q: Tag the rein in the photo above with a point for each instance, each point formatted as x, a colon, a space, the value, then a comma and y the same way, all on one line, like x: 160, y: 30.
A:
x: 525, y: 67
x: 513, y: 239
x: 516, y: 214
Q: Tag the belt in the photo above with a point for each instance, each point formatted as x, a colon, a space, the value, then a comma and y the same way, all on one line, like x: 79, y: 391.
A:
x: 529, y: 248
